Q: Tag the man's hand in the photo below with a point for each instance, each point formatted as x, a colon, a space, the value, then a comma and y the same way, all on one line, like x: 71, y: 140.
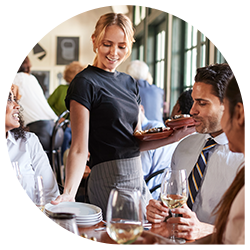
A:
x: 156, y: 211
x: 188, y: 226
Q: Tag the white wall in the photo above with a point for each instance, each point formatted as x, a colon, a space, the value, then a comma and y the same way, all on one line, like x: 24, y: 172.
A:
x: 49, y: 21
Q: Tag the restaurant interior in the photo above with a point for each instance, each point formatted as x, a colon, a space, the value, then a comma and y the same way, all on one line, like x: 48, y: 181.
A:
x: 65, y: 181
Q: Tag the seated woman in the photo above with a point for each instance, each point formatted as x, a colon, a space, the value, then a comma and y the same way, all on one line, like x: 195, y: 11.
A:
x: 25, y: 148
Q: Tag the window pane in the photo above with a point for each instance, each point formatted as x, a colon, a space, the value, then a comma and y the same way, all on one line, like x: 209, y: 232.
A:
x: 189, y: 30
x: 194, y: 63
x: 203, y: 55
x: 187, y: 67
x: 195, y: 27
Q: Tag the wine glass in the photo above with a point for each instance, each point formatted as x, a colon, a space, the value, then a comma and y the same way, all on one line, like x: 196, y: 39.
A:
x: 29, y: 201
x: 124, y: 215
x: 12, y: 184
x: 174, y: 193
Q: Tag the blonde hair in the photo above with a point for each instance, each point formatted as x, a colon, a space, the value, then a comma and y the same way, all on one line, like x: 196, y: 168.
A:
x: 113, y: 19
x: 71, y: 70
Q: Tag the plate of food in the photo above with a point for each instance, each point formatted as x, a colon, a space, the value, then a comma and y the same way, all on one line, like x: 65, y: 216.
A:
x: 179, y: 121
x: 153, y: 133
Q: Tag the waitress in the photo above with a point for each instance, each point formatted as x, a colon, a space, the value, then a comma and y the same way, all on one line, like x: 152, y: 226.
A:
x: 104, y: 108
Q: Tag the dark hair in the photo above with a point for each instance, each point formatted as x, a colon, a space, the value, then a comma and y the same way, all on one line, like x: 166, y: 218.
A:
x: 18, y: 132
x: 216, y: 75
x: 233, y: 95
x: 186, y: 101
x: 19, y: 61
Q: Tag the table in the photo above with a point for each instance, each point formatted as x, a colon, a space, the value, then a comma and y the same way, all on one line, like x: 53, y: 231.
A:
x: 39, y: 227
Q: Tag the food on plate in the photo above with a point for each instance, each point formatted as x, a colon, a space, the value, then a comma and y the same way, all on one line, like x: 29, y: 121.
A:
x: 179, y: 121
x: 151, y: 130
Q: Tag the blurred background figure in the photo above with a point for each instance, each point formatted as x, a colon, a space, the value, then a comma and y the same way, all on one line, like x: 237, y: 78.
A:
x: 151, y: 95
x: 56, y: 99
x: 34, y: 104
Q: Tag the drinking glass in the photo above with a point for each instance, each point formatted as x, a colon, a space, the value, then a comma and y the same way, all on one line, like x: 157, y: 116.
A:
x: 124, y: 215
x: 12, y: 184
x: 29, y: 201
x: 174, y: 193
x: 17, y: 171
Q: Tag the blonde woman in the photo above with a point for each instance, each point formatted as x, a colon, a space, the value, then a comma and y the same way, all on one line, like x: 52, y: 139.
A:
x: 104, y: 108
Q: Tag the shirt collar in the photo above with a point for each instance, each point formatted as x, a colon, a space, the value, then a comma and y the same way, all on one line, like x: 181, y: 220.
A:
x: 11, y: 137
x: 219, y: 139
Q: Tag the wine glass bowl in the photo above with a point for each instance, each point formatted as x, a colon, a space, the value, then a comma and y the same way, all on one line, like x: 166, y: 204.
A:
x: 124, y: 215
x: 174, y: 191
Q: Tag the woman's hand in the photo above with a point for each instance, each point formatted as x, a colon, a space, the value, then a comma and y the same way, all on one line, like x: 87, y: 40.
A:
x: 178, y: 134
x: 62, y: 198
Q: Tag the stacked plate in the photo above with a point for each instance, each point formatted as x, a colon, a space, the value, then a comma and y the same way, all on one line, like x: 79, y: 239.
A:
x: 86, y: 214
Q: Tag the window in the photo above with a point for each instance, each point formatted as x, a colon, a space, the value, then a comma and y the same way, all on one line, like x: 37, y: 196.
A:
x: 241, y: 37
x: 138, y: 50
x: 139, y: 14
x: 160, y: 56
x: 195, y: 54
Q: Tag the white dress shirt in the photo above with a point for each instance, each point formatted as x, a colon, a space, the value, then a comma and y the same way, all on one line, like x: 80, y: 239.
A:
x: 34, y: 104
x: 32, y: 161
x: 222, y: 167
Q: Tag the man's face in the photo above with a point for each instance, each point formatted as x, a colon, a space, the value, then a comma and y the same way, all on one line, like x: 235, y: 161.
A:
x: 206, y: 110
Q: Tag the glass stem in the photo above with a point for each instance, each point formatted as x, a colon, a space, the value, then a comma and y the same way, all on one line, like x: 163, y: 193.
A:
x: 172, y: 237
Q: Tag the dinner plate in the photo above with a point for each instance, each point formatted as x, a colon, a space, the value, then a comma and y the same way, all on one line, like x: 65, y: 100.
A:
x: 81, y: 210
x: 154, y: 136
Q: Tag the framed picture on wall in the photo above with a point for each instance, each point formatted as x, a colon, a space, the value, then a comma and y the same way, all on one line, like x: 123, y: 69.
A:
x: 67, y: 50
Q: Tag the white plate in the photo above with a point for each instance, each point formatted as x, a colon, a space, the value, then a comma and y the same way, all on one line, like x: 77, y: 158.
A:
x: 82, y: 220
x: 86, y: 223
x: 81, y: 210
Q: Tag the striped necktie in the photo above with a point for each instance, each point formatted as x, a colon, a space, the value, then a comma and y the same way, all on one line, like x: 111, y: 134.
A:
x: 195, y: 177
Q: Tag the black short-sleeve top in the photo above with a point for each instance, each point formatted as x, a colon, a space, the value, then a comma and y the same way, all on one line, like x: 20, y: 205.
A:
x: 112, y: 99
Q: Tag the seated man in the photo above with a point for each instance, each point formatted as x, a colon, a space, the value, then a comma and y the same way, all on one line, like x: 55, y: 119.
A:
x: 221, y: 166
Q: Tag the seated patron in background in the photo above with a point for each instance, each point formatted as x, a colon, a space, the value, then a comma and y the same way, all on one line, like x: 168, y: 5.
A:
x: 34, y: 104
x: 151, y: 95
x: 160, y: 158
x: 25, y: 148
x: 222, y: 164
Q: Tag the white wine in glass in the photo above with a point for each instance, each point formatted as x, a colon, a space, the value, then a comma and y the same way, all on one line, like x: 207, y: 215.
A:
x: 29, y: 202
x: 174, y: 192
x: 124, y: 215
